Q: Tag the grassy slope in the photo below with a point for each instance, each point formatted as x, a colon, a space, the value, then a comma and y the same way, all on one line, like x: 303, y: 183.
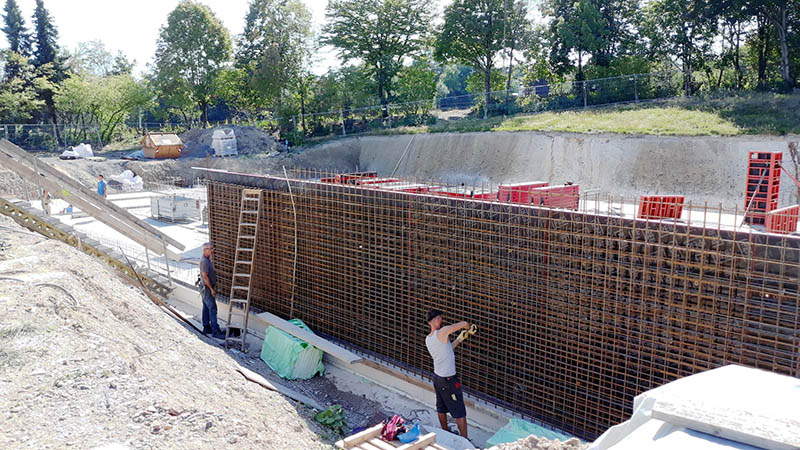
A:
x: 756, y: 113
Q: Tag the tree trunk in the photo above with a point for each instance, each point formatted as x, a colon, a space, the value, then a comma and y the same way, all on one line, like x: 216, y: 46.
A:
x: 762, y: 49
x: 487, y: 75
x: 779, y: 20
x: 508, y: 79
x: 204, y: 114
x: 687, y: 71
x: 303, y: 108
x: 736, y: 59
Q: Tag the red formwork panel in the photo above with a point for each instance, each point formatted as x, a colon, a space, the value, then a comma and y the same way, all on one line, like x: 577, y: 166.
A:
x: 783, y: 220
x: 660, y: 207
x: 566, y: 196
x: 366, y: 181
x: 518, y: 192
x: 465, y: 192
x: 763, y: 185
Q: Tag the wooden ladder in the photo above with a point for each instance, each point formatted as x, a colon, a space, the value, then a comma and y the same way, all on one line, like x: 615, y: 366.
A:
x: 243, y: 262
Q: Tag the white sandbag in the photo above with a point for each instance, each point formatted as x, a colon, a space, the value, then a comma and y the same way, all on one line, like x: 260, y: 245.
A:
x: 83, y: 150
x: 129, y: 181
x: 69, y: 154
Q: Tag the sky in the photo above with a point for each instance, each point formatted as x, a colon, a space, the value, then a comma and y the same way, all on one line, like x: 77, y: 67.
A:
x: 133, y: 26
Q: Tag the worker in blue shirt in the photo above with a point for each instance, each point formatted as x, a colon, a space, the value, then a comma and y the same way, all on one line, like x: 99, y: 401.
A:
x: 101, y: 187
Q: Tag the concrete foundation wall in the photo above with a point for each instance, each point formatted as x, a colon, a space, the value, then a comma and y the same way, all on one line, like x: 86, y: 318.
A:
x: 711, y: 169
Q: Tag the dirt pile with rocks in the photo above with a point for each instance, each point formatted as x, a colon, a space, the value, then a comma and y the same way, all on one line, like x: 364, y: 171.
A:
x: 86, y: 360
x: 249, y: 141
x: 538, y: 443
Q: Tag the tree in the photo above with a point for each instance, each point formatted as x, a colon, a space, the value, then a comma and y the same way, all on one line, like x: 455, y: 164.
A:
x: 380, y: 33
x: 517, y: 33
x: 778, y: 13
x: 577, y: 27
x: 472, y: 34
x: 47, y: 60
x: 19, y: 95
x: 106, y: 102
x: 93, y: 58
x: 682, y: 29
x: 273, y: 48
x: 45, y: 37
x: 416, y: 86
x: 191, y: 52
x: 17, y: 36
x: 16, y: 33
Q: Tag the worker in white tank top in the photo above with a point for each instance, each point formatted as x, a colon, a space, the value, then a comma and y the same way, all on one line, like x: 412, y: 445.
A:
x: 449, y: 396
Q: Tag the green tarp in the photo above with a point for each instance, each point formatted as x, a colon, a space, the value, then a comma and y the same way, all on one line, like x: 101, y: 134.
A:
x: 290, y: 357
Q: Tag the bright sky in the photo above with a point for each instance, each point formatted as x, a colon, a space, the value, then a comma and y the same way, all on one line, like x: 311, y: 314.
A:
x: 133, y: 26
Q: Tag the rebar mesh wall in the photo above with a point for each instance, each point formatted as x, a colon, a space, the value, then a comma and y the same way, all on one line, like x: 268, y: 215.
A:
x: 577, y: 313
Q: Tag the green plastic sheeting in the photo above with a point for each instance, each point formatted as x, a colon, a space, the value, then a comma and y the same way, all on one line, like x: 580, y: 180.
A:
x: 290, y: 357
x: 517, y: 429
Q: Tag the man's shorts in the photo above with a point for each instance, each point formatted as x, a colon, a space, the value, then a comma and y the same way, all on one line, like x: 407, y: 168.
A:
x: 449, y: 398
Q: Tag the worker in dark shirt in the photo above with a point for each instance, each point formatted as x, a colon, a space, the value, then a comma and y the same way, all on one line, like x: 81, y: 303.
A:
x: 209, y: 278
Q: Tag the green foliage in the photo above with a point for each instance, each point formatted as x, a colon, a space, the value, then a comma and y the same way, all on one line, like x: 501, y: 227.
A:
x: 472, y: 34
x: 19, y: 94
x: 106, y: 101
x: 333, y: 419
x: 380, y: 33
x: 272, y: 50
x: 16, y: 33
x: 415, y: 87
x: 476, y: 83
x: 683, y: 29
x: 93, y: 58
x: 416, y: 82
x: 453, y: 80
x: 191, y: 52
x: 45, y: 37
x: 623, y: 65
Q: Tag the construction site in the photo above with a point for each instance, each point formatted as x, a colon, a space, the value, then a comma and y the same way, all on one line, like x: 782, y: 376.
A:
x: 598, y: 272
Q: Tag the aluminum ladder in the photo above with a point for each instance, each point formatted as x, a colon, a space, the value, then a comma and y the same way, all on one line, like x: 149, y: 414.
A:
x: 243, y: 262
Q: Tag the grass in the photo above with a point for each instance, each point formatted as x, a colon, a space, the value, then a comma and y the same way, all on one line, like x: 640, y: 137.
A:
x: 721, y: 115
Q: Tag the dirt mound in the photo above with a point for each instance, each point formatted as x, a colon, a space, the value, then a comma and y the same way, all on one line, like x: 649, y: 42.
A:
x: 249, y: 140
x: 537, y: 443
x: 88, y: 361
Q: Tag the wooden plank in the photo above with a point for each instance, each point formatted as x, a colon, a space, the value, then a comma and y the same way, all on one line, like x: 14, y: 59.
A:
x: 322, y: 344
x: 88, y: 194
x: 421, y: 442
x: 258, y: 379
x: 771, y: 433
x: 381, y: 444
x: 111, y: 220
x: 362, y: 436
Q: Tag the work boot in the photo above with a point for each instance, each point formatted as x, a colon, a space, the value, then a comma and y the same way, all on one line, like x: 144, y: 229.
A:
x: 206, y: 331
x: 218, y: 335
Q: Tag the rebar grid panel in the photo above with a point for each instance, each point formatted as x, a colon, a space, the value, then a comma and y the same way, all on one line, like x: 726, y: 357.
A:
x: 578, y: 312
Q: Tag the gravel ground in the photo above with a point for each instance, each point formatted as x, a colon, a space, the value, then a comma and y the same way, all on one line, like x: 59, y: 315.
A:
x: 87, y: 361
x: 537, y: 443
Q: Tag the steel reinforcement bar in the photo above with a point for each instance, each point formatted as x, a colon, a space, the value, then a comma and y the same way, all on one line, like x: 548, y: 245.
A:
x: 577, y: 312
